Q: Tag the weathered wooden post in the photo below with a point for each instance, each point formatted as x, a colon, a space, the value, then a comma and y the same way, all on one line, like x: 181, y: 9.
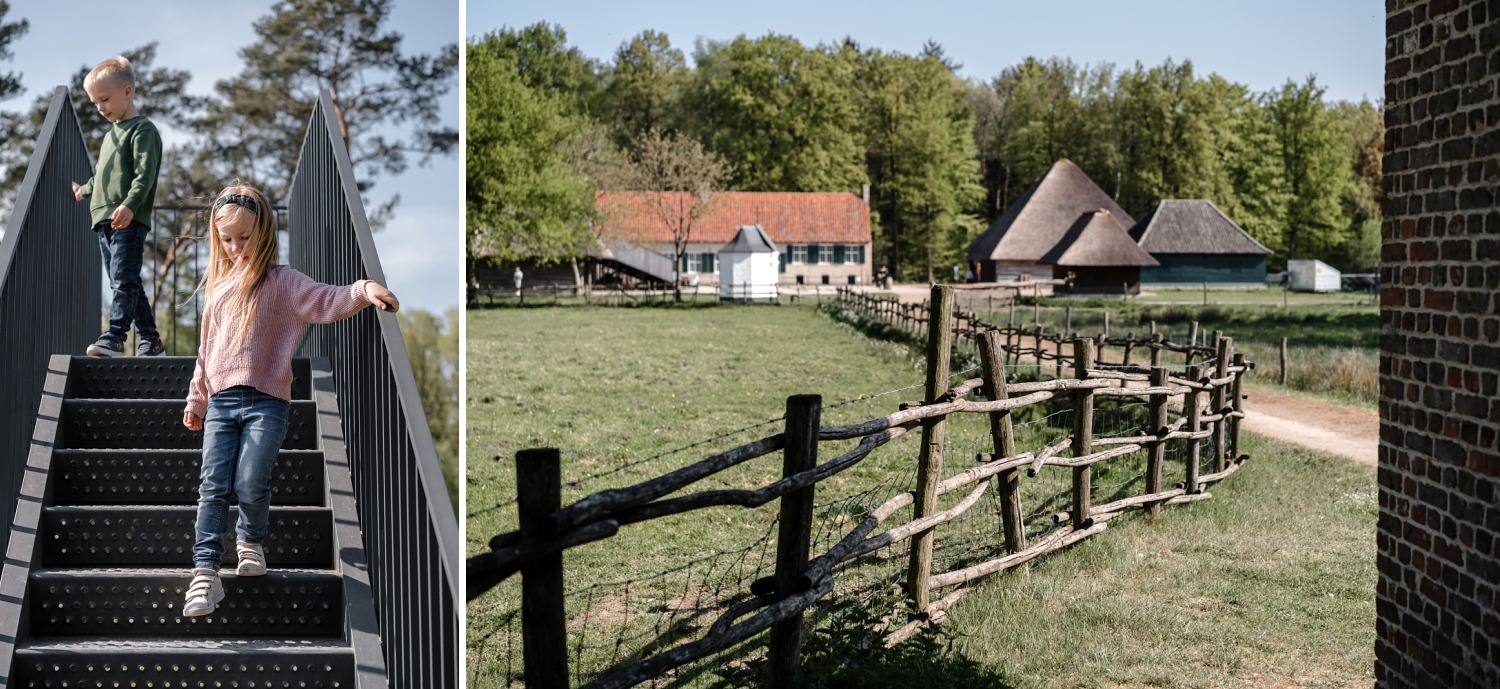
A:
x: 930, y: 457
x: 992, y: 362
x: 1192, y: 408
x: 1129, y: 348
x: 1192, y: 342
x: 1157, y: 425
x: 1283, y: 362
x: 1068, y: 321
x: 794, y: 536
x: 1239, y: 407
x: 1225, y: 346
x: 1083, y: 433
x: 1058, y: 362
x: 544, y: 631
x: 1039, y: 335
x: 1106, y: 323
x: 1156, y: 345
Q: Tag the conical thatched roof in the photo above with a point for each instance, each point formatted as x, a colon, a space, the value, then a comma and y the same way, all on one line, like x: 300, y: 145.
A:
x: 1037, y: 221
x: 1096, y: 239
x: 1192, y: 226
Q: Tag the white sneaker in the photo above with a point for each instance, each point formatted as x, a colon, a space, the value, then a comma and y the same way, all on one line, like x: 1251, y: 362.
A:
x: 203, y: 594
x: 252, y: 559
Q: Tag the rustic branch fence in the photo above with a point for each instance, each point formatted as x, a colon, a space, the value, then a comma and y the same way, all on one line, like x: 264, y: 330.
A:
x: 1203, y: 387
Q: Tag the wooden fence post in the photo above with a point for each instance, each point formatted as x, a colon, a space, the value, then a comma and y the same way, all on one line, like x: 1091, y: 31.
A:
x: 1068, y: 321
x: 1192, y: 342
x: 1239, y: 408
x: 1156, y: 339
x: 1039, y: 333
x: 1083, y: 433
x: 1106, y: 324
x: 992, y: 362
x: 543, y: 624
x: 1193, y: 410
x: 1157, y: 425
x: 794, y: 538
x: 1221, y: 368
x: 930, y: 457
x: 1283, y: 362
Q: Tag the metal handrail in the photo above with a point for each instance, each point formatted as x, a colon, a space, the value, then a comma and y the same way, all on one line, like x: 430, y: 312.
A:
x: 411, y: 533
x: 50, y: 297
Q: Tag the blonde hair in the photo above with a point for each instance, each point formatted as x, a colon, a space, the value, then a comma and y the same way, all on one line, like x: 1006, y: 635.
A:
x: 239, y: 283
x: 116, y: 70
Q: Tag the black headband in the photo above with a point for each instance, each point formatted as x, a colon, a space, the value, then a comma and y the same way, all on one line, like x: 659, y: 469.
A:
x: 239, y: 200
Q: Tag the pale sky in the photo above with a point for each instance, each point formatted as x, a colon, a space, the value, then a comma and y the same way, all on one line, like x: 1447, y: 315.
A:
x: 419, y: 249
x: 1259, y: 43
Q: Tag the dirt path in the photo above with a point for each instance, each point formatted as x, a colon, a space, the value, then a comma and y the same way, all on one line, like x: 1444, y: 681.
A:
x: 1338, y: 429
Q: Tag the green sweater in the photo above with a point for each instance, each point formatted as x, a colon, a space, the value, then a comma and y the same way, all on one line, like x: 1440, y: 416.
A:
x: 129, y: 161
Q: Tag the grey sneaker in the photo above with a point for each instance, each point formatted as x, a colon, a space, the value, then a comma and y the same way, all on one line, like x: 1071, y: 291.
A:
x: 107, y: 346
x: 150, y: 346
x: 204, y: 593
x: 252, y: 559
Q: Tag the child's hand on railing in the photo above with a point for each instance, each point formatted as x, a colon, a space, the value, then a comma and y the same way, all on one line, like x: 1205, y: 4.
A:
x: 381, y: 297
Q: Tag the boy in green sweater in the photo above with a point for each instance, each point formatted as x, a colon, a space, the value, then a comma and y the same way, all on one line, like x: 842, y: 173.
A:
x: 121, y: 195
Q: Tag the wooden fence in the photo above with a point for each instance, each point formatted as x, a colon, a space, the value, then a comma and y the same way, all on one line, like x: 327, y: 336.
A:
x: 1203, y: 384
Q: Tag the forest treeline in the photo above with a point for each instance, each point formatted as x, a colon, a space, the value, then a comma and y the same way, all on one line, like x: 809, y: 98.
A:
x: 548, y: 127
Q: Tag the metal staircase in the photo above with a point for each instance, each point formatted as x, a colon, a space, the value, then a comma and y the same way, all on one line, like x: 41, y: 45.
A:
x: 114, y: 476
x: 98, y: 484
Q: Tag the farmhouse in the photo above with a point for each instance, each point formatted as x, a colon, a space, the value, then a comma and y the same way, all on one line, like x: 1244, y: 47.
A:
x: 1194, y: 243
x: 1101, y: 256
x: 1019, y: 241
x: 823, y: 238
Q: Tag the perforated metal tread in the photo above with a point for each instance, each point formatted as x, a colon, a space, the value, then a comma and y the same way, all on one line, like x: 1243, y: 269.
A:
x: 163, y: 536
x: 153, y: 378
x: 157, y: 424
x: 108, y: 663
x: 137, y: 603
x: 170, y: 477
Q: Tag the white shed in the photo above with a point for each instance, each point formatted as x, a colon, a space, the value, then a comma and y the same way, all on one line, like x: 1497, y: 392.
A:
x: 1312, y: 276
x: 748, y: 267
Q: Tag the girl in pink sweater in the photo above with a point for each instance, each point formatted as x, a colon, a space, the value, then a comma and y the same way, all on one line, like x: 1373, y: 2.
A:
x: 254, y: 312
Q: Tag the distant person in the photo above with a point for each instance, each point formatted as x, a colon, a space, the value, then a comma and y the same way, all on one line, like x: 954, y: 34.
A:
x: 121, y: 195
x: 516, y: 278
x: 969, y: 275
x: 883, y: 278
x: 955, y: 273
x: 254, y: 311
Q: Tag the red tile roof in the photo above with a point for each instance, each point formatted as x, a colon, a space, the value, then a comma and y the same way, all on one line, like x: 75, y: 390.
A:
x: 787, y: 217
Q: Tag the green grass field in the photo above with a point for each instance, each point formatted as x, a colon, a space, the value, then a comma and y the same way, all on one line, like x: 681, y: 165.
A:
x: 1273, y: 578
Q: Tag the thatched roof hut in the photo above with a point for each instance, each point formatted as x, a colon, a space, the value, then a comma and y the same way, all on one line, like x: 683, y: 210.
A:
x: 1100, y: 254
x: 1030, y: 228
x: 1194, y: 242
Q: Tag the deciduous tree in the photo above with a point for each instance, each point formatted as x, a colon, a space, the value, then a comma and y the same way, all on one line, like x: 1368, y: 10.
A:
x: 681, y: 178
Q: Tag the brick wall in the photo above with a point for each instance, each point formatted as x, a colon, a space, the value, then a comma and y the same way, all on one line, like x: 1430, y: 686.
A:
x: 1438, y: 609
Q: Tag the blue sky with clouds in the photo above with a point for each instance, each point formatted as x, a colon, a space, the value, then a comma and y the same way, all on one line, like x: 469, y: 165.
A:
x: 1261, y: 43
x: 419, y: 249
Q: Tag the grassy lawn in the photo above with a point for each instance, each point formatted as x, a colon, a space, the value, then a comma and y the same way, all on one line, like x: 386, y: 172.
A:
x: 1272, y: 578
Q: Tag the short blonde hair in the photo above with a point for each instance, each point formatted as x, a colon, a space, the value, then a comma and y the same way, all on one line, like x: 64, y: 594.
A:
x: 116, y: 70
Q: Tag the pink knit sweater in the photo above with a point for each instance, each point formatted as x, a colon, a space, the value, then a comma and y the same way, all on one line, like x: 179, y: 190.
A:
x: 262, y: 358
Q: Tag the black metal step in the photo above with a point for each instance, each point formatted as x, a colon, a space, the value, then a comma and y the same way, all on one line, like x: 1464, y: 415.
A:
x: 170, y: 477
x: 157, y: 424
x: 152, y: 378
x: 318, y: 664
x: 287, y: 604
x: 122, y: 536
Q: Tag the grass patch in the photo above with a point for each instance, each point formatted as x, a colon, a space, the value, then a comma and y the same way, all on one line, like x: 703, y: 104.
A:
x: 622, y: 391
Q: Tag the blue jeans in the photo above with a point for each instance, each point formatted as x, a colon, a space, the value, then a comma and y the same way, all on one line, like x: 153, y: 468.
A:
x: 242, y: 432
x: 121, y: 251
